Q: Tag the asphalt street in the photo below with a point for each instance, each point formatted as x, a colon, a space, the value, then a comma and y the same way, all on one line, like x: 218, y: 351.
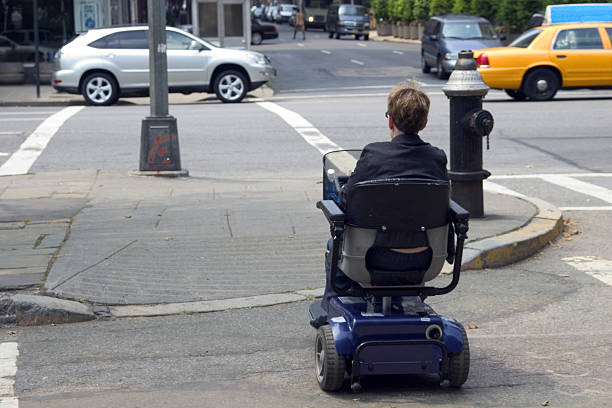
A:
x: 540, y: 329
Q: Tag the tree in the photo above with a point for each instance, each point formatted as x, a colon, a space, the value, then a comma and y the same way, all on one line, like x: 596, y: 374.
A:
x: 440, y: 6
x: 380, y: 9
x: 485, y: 8
x: 420, y: 11
x: 462, y: 7
x: 406, y: 14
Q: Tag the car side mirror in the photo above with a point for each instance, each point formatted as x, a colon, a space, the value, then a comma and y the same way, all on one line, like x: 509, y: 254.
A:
x: 433, y: 37
x: 502, y: 37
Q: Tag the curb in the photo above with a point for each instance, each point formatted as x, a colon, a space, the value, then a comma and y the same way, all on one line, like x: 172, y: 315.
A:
x: 35, y: 310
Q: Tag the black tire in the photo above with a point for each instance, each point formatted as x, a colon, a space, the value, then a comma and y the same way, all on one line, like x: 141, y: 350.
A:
x: 541, y: 84
x: 256, y: 38
x: 337, y: 36
x: 516, y: 94
x: 366, y: 37
x: 231, y: 86
x: 460, y: 363
x: 331, y: 34
x: 329, y: 365
x: 100, y: 89
x: 425, y: 67
x: 440, y: 70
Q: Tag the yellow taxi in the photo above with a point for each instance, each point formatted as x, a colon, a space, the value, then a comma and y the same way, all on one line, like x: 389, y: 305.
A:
x: 544, y: 59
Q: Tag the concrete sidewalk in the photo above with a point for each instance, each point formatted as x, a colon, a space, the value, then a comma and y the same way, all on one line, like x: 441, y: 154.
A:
x: 142, y: 246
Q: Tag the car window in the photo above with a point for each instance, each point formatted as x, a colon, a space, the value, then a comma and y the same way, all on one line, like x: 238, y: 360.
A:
x: 4, y: 43
x: 177, y: 41
x: 525, y: 39
x: 578, y: 39
x: 436, y: 28
x: 134, y: 40
x: 609, y: 31
x: 353, y: 11
x: 429, y: 27
x: 468, y: 30
x: 18, y: 37
x: 110, y: 41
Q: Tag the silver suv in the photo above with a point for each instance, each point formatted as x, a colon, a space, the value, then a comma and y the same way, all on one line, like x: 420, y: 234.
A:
x: 106, y: 63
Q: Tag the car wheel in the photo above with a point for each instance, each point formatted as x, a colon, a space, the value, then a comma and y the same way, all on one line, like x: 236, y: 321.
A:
x: 337, y: 36
x: 230, y: 86
x: 424, y: 65
x: 100, y: 89
x: 541, y: 84
x: 366, y: 37
x: 516, y: 94
x: 441, y: 73
x: 357, y: 37
x: 256, y: 38
x: 331, y: 34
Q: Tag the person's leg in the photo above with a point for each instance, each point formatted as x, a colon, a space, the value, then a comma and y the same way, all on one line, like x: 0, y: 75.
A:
x: 294, y: 31
x: 304, y: 32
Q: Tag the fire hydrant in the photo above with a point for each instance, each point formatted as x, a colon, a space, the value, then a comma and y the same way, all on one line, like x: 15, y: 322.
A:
x: 469, y: 123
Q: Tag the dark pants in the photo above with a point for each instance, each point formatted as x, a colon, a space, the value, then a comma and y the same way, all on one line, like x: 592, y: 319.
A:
x: 377, y: 258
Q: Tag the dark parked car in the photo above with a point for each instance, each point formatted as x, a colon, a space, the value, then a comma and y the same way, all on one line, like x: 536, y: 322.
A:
x: 260, y: 32
x: 447, y: 34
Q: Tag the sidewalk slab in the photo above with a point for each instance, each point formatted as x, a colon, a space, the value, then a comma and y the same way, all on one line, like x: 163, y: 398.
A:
x: 150, y: 246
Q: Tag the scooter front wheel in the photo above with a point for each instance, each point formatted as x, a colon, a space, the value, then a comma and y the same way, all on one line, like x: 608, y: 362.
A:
x: 329, y: 365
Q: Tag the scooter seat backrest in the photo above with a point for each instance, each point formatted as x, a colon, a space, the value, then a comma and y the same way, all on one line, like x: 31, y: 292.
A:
x: 378, y: 209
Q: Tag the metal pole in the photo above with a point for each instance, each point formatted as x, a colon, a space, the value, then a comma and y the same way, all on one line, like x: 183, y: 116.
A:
x: 158, y: 62
x: 36, y: 44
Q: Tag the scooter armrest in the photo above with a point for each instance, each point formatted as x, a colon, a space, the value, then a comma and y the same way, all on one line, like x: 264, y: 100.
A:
x: 332, y: 212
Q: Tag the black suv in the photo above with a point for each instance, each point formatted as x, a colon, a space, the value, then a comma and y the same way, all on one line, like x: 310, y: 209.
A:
x: 447, y: 34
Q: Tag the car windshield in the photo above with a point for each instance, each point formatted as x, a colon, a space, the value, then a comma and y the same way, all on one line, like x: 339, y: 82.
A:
x: 525, y: 39
x: 353, y: 11
x: 287, y: 8
x: 469, y: 31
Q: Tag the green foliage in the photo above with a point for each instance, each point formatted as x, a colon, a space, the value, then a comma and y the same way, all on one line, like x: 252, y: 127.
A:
x: 380, y: 9
x: 420, y: 11
x: 462, y: 7
x: 406, y: 14
x: 392, y: 10
x: 484, y: 8
x: 440, y: 6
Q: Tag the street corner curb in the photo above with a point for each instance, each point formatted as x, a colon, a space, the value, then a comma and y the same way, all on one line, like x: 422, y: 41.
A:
x: 263, y: 92
x: 35, y: 310
x: 44, y: 102
x: 519, y: 244
x: 160, y: 173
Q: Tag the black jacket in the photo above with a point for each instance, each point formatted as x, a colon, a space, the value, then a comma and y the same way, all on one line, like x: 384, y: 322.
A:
x: 404, y: 156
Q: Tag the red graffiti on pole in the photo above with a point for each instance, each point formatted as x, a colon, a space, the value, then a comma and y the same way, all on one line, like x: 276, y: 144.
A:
x: 158, y: 151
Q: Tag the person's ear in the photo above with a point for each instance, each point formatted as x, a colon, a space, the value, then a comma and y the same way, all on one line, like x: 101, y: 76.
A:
x: 391, y: 124
x: 424, y: 124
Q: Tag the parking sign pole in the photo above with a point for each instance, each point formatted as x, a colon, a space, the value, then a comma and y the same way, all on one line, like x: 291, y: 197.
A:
x: 36, y: 47
x: 159, y: 144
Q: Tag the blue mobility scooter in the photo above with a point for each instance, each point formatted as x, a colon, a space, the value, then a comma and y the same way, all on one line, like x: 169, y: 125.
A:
x: 381, y: 324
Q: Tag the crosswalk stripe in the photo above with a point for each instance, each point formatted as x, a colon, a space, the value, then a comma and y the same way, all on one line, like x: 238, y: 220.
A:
x: 8, y: 370
x: 591, y: 265
x: 593, y: 208
x: 580, y: 186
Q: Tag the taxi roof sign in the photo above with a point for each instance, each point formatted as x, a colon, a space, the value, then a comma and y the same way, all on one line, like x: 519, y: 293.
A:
x: 578, y: 13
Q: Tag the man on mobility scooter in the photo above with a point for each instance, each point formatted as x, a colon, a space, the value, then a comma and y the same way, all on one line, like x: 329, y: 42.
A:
x: 392, y: 227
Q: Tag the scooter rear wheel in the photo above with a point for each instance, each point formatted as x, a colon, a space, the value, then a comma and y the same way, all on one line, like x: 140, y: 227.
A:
x: 460, y: 363
x: 329, y: 365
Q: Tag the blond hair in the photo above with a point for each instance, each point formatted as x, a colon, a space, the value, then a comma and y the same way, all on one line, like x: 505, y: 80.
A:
x: 408, y: 107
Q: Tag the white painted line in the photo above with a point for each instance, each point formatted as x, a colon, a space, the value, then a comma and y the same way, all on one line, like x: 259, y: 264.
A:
x: 530, y: 176
x: 398, y: 52
x: 310, y: 134
x: 4, y: 154
x: 21, y: 161
x: 591, y: 265
x: 593, y: 208
x: 8, y: 370
x: 580, y: 186
x: 300, y: 44
x: 28, y: 113
x: 361, y: 44
x: 11, y: 133
x: 326, y: 52
x: 21, y: 119
x: 499, y: 189
x: 357, y: 62
x: 9, y: 402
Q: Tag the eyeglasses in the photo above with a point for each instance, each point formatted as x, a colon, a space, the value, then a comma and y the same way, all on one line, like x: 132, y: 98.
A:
x: 386, y: 114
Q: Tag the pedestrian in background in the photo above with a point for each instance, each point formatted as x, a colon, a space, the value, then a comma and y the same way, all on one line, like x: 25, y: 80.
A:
x: 299, y: 24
